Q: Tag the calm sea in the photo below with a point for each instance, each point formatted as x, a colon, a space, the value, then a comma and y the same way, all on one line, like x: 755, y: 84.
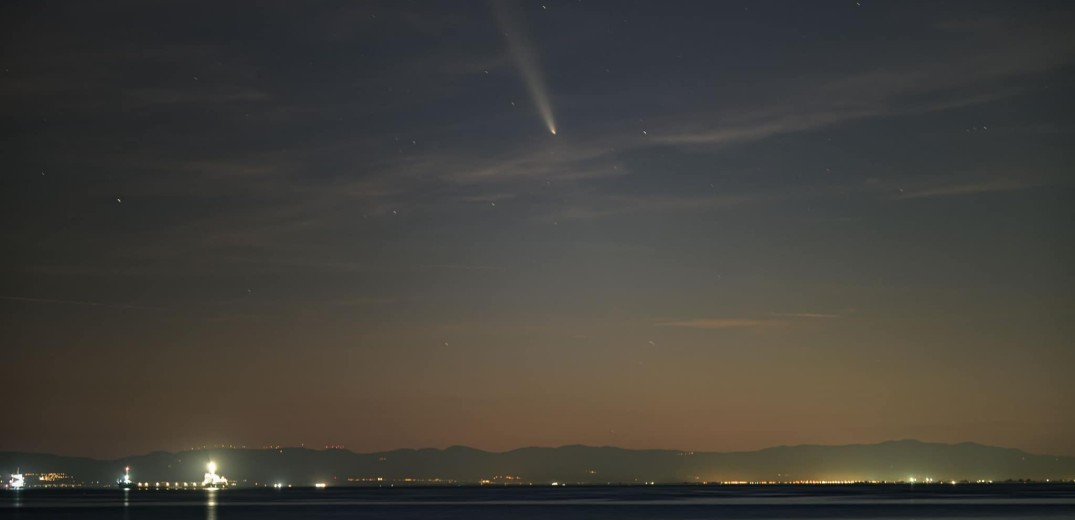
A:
x: 568, y: 503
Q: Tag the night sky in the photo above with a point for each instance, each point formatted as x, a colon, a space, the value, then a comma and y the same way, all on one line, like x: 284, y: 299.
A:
x: 757, y: 223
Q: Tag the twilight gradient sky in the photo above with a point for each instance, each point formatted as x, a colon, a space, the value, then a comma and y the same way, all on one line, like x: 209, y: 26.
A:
x: 759, y: 223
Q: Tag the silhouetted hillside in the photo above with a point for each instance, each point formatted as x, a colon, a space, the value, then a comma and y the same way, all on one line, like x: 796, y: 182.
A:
x: 891, y: 461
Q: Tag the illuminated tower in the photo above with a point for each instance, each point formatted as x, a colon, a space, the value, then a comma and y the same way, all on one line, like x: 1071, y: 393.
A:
x: 125, y: 481
x: 212, y: 480
x: 17, y: 481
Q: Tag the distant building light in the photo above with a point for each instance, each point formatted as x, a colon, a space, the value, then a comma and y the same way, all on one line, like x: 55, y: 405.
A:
x: 212, y: 480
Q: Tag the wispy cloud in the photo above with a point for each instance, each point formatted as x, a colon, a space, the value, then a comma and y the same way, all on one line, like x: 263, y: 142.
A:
x: 767, y: 122
x: 776, y: 320
x: 970, y: 188
x: 716, y: 323
x: 605, y: 205
x: 765, y: 127
x: 82, y: 303
x: 575, y: 160
x: 809, y: 315
x: 464, y: 267
x: 267, y: 196
x: 930, y: 84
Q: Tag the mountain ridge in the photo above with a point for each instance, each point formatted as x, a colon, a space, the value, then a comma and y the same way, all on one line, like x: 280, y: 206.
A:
x: 562, y: 446
x: 899, y: 460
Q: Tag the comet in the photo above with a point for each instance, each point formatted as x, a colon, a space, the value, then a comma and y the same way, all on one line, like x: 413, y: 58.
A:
x: 526, y: 59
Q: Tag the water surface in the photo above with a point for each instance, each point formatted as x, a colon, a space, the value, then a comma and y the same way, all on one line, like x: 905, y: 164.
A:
x: 559, y: 503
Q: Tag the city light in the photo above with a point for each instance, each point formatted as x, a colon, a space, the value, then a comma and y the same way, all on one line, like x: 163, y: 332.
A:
x: 212, y: 480
x: 17, y: 480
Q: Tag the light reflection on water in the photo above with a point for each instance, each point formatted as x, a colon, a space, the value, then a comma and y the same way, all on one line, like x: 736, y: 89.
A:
x: 210, y: 504
x: 582, y: 503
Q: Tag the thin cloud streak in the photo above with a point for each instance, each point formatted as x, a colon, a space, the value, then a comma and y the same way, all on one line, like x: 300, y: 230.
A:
x: 893, y: 92
x: 741, y: 323
x: 82, y: 303
x: 987, y: 186
x: 717, y: 323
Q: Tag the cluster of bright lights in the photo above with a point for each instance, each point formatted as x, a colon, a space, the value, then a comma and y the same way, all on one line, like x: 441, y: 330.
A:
x: 52, y: 477
x: 212, y: 480
x: 167, y: 485
x: 785, y: 482
x: 126, y: 480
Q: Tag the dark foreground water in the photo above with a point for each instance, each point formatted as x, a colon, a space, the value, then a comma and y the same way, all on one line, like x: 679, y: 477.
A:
x: 656, y: 502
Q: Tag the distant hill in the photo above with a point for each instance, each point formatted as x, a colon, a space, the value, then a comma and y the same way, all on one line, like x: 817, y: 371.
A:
x: 889, y: 461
